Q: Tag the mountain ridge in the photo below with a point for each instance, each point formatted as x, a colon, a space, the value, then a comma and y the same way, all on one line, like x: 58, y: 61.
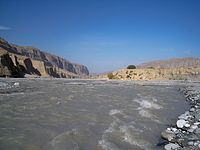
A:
x: 172, y: 63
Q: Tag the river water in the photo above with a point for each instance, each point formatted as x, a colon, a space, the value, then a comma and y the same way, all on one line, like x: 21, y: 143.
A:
x: 59, y: 114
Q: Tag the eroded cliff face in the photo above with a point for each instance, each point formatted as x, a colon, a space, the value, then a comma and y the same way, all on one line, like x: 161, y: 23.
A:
x: 52, y: 60
x: 33, y: 61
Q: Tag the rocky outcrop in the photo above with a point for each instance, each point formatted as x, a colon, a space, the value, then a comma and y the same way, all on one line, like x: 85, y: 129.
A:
x: 156, y: 74
x: 36, y: 62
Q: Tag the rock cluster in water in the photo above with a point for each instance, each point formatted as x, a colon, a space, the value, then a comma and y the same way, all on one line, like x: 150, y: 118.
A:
x: 185, y: 135
x: 7, y: 88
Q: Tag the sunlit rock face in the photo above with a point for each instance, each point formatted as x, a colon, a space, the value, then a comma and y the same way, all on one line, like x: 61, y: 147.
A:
x: 157, y: 74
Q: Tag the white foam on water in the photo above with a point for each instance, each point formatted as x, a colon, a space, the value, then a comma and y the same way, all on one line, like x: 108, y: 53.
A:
x: 114, y: 111
x: 134, y: 139
x: 111, y: 128
x: 148, y: 104
x: 65, y: 139
x: 76, y: 83
x: 106, y: 145
x: 125, y: 128
x: 128, y: 133
x: 145, y: 113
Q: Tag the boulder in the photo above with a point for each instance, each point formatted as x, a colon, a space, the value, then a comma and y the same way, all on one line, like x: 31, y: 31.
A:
x: 168, y: 135
x: 171, y: 146
x: 181, y: 123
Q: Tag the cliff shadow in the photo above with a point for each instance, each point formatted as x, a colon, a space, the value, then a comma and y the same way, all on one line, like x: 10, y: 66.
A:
x: 30, y: 68
x: 53, y: 72
x: 8, y: 67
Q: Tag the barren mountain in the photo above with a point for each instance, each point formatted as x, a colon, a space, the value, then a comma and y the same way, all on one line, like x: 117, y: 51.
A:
x: 173, y: 63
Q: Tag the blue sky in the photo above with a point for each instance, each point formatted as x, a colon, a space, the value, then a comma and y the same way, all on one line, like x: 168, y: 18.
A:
x: 104, y: 35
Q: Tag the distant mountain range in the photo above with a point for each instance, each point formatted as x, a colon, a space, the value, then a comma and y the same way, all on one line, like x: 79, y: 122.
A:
x: 32, y: 61
x: 173, y: 63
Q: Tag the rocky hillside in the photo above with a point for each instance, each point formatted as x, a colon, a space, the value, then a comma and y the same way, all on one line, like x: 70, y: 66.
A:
x: 172, y: 63
x: 156, y: 74
x: 33, y: 61
x: 172, y: 69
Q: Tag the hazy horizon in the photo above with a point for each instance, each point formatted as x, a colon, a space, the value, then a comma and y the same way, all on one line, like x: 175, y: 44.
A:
x: 105, y: 35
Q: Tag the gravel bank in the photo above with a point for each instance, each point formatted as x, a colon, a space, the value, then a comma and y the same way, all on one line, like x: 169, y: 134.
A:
x: 185, y: 133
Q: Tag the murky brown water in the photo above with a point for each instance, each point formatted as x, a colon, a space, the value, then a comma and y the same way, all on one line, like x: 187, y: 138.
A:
x: 45, y: 114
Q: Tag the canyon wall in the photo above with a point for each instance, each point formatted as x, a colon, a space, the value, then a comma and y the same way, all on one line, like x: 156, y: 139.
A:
x: 33, y: 61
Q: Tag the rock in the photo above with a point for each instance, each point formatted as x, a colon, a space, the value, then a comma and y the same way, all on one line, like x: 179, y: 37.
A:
x: 187, y: 125
x: 192, y: 109
x: 194, y: 127
x: 184, y: 116
x: 197, y: 131
x: 197, y: 123
x: 197, y: 116
x: 190, y: 143
x: 171, y: 146
x: 169, y: 129
x: 193, y: 138
x: 168, y: 135
x: 16, y: 84
x: 182, y: 142
x: 181, y: 123
x: 174, y: 129
x: 190, y: 130
x: 196, y: 143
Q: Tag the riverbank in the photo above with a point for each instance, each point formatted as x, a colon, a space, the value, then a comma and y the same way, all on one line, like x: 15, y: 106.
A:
x: 185, y: 133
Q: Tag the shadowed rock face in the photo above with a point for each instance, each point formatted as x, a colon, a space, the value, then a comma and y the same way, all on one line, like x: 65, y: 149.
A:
x: 30, y: 67
x: 7, y: 67
x: 34, y: 61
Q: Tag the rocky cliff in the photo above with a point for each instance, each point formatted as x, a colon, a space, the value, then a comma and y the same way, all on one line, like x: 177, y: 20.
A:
x: 36, y: 62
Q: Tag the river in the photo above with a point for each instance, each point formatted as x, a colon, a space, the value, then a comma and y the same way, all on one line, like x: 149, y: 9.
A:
x: 60, y: 114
